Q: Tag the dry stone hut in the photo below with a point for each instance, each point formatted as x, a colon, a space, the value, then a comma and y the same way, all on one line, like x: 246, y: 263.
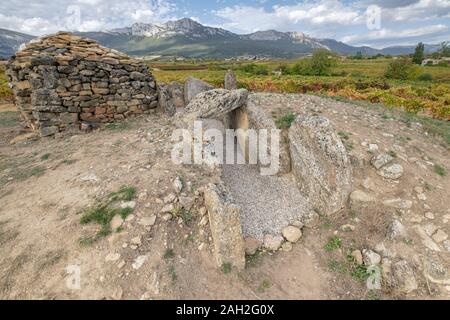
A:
x: 65, y: 82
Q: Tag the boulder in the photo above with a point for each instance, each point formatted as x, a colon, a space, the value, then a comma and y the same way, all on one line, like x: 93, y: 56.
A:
x: 396, y: 230
x: 176, y: 92
x: 381, y: 160
x: 193, y: 86
x: 230, y: 80
x: 320, y: 163
x: 393, y: 172
x: 252, y: 245
x: 292, y: 234
x: 214, y: 104
x: 225, y: 224
x: 403, y: 277
x: 272, y: 243
x: 370, y: 257
x: 165, y: 101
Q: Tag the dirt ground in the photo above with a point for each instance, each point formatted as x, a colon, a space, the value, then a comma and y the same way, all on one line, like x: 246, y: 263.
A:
x: 47, y: 184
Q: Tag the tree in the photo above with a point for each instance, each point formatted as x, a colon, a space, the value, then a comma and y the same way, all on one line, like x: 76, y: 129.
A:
x: 398, y: 69
x: 358, y: 55
x: 419, y: 54
x: 321, y: 62
x: 445, y: 49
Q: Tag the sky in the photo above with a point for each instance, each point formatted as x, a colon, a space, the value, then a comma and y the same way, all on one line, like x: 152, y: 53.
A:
x: 376, y: 23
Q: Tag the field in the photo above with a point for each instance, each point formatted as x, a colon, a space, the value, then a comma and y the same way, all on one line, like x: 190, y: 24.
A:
x: 351, y: 79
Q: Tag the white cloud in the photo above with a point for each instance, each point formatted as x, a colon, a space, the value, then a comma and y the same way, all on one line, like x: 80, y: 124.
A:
x: 46, y: 16
x: 387, y: 34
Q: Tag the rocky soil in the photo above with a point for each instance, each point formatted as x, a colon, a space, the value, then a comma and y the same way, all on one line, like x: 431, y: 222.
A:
x: 397, y: 218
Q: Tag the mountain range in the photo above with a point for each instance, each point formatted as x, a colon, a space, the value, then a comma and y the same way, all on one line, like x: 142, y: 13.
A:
x: 190, y: 39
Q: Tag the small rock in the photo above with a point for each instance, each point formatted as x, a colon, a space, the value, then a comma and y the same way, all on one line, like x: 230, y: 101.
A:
x: 202, y: 211
x: 429, y: 215
x: 361, y: 196
x: 169, y: 198
x: 403, y: 277
x: 138, y: 262
x: 381, y: 160
x: 395, y: 230
x: 178, y: 185
x: 392, y: 172
x: 112, y: 257
x: 121, y: 264
x: 128, y: 204
x: 186, y: 202
x: 136, y: 241
x: 422, y: 197
x: 166, y: 217
x: 370, y: 257
x: 90, y: 178
x: 202, y: 246
x: 446, y: 245
x: 147, y: 221
x: 440, y: 236
x: 368, y: 184
x: 117, y: 294
x: 292, y: 234
x: 116, y: 222
x: 357, y: 255
x: 142, y: 196
x: 204, y: 221
x: 398, y: 203
x: 251, y: 245
x: 286, y: 247
x: 430, y: 229
x: 168, y: 208
x: 348, y: 228
x: 272, y: 243
x: 373, y: 147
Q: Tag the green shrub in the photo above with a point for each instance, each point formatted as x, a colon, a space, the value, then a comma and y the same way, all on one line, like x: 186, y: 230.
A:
x: 398, y: 69
x: 322, y: 62
x: 256, y: 69
x: 425, y: 77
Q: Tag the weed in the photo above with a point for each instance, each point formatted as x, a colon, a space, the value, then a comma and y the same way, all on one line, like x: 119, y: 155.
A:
x: 392, y: 154
x: 68, y: 161
x: 227, y: 268
x: 373, y: 295
x: 86, y: 242
x: 408, y: 242
x: 125, y: 193
x: 118, y: 126
x: 343, y: 135
x: 252, y: 260
x: 265, y: 284
x: 439, y: 170
x: 172, y: 273
x: 186, y: 216
x: 169, y: 254
x: 45, y: 156
x: 337, y: 266
x: 285, y: 121
x: 333, y: 243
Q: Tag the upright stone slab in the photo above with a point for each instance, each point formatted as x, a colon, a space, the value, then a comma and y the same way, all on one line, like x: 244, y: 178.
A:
x: 230, y: 80
x: 225, y: 224
x: 193, y: 87
x: 320, y: 163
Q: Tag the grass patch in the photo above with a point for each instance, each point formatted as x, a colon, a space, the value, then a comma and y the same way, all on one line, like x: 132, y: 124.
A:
x: 86, y: 241
x: 344, y: 135
x: 439, y: 170
x: 252, y: 260
x: 104, y: 212
x: 45, y: 157
x: 68, y: 161
x: 169, y: 254
x: 172, y: 273
x: 337, y: 266
x: 285, y: 121
x: 226, y: 268
x: 333, y: 244
x: 125, y: 193
x: 265, y: 284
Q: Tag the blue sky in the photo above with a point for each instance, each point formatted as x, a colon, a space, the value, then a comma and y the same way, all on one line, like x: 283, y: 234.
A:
x: 377, y: 23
